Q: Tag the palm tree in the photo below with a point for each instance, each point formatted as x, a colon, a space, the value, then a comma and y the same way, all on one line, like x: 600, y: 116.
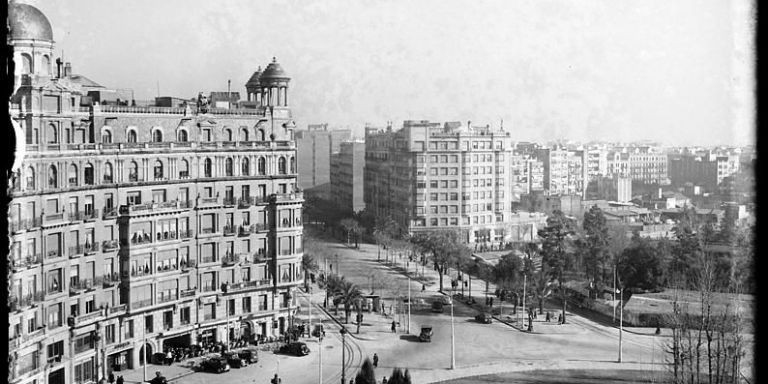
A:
x: 329, y: 282
x: 346, y: 293
x: 308, y: 264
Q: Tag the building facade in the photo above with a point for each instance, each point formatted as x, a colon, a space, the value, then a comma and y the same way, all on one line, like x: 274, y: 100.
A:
x: 430, y: 176
x: 347, y: 175
x: 315, y: 146
x: 139, y: 228
x: 565, y: 171
x: 642, y: 164
x: 703, y: 169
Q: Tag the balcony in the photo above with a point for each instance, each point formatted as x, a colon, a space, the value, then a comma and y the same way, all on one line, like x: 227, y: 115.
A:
x: 20, y: 225
x: 91, y: 214
x: 286, y: 197
x: 80, y: 249
x: 259, y: 257
x: 108, y: 180
x: 229, y: 200
x: 141, y: 304
x: 207, y: 260
x: 209, y: 201
x: 245, y: 202
x: 167, y: 268
x: 52, y: 254
x: 79, y: 320
x: 260, y: 227
x: 187, y: 264
x: 166, y: 298
x: 229, y: 230
x: 230, y: 260
x: 141, y: 238
x: 186, y: 234
x: 26, y: 301
x: 117, y: 309
x: 141, y: 271
x: 109, y: 245
x: 54, y: 217
x: 208, y: 230
x: 166, y: 235
x: 27, y: 261
x: 187, y: 292
x: 77, y: 286
x: 109, y: 280
x: 109, y: 213
x: 245, y: 230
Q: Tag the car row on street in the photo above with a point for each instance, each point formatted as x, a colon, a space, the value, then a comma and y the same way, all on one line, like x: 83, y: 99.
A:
x: 231, y: 359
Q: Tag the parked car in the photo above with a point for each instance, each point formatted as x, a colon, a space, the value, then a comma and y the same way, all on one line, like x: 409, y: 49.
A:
x: 234, y: 360
x: 445, y: 300
x: 215, y: 365
x: 318, y: 331
x: 484, y: 318
x: 296, y: 348
x: 437, y: 306
x: 426, y: 333
x: 250, y: 354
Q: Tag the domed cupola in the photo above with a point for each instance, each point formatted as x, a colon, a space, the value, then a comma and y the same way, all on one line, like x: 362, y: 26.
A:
x: 28, y: 23
x: 252, y: 87
x: 274, y: 85
x: 31, y: 36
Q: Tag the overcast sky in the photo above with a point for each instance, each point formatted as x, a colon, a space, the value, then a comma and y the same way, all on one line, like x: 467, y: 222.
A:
x: 679, y: 72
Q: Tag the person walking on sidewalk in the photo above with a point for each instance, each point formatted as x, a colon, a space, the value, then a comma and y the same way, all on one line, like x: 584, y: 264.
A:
x: 394, y: 326
x: 120, y: 380
x: 375, y: 360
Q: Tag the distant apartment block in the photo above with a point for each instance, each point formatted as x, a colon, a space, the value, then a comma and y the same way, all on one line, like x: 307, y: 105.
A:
x: 315, y: 146
x: 347, y: 175
x: 565, y: 171
x: 703, y: 169
x: 641, y: 164
x: 616, y: 188
x: 432, y: 176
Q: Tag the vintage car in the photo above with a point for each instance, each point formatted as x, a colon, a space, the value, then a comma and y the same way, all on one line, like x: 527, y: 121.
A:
x: 234, y: 360
x: 250, y: 354
x: 296, y: 349
x: 426, y: 333
x: 215, y: 365
x: 484, y: 318
x: 437, y: 306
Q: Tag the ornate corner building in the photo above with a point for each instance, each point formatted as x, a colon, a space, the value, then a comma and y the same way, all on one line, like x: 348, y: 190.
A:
x: 137, y: 228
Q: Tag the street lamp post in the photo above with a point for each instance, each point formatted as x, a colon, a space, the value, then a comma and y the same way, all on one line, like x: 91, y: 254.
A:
x: 343, y: 355
x: 320, y: 365
x: 409, y: 304
x: 621, y: 320
x: 453, y: 337
x: 145, y: 357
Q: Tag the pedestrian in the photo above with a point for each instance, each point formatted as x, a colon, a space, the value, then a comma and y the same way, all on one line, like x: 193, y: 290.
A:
x: 560, y: 318
x: 120, y: 380
x: 491, y: 302
x: 169, y: 358
x: 111, y: 378
x: 658, y: 330
x: 276, y: 380
x: 375, y: 360
x: 384, y: 381
x: 394, y: 327
x: 423, y: 287
x: 547, y: 317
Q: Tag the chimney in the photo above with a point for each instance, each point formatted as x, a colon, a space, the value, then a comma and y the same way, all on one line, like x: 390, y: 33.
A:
x: 67, y: 69
x: 58, y: 67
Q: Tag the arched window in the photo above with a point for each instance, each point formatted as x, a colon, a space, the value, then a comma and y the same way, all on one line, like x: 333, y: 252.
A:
x: 158, y: 170
x: 157, y: 136
x: 228, y: 134
x: 293, y: 164
x: 53, y: 134
x: 244, y: 134
x: 72, y: 175
x: 262, y: 166
x: 30, y: 178
x: 245, y: 167
x: 108, y: 173
x: 208, y: 168
x: 46, y: 65
x: 133, y: 172
x: 106, y: 136
x: 67, y: 135
x: 184, y: 169
x: 53, y: 176
x: 281, y: 165
x: 132, y: 136
x: 26, y: 63
x: 260, y: 137
x: 183, y: 136
x: 88, y: 174
x: 229, y: 168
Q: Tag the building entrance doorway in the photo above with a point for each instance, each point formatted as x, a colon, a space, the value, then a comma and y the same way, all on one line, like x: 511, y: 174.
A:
x: 146, y: 350
x: 56, y: 377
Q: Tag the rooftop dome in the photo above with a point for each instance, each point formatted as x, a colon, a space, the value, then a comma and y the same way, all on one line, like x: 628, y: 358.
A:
x: 254, y: 80
x: 274, y: 71
x: 27, y: 22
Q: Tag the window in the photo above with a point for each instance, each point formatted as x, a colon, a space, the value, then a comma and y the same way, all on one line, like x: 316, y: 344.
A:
x: 84, y: 372
x: 167, y: 319
x: 54, y: 281
x: 184, y: 316
x: 209, y: 311
x: 229, y: 168
x: 228, y: 134
x: 132, y: 136
x: 246, y: 305
x: 245, y: 169
x: 208, y: 168
x: 72, y: 175
x: 262, y: 136
x: 106, y: 136
x: 157, y: 136
x: 53, y: 134
x: 262, y: 166
x: 128, y: 329
x: 158, y: 170
x: 109, y: 334
x: 433, y: 184
x: 182, y: 136
x: 133, y: 198
x: 281, y: 165
x: 244, y: 134
x: 108, y: 173
x: 26, y: 63
x: 88, y: 174
x: 54, y: 316
x: 133, y: 171
x: 184, y: 169
x: 84, y: 343
x: 56, y: 351
x: 30, y: 178
x: 231, y: 307
x: 293, y: 165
